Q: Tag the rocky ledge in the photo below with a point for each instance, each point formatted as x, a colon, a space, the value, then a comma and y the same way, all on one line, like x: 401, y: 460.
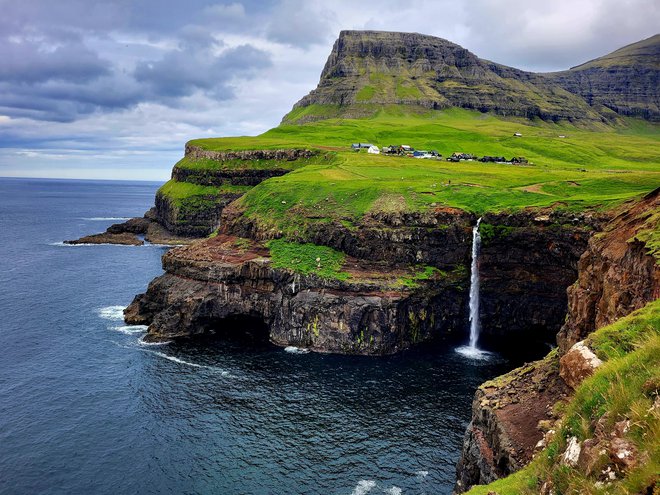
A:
x: 618, y: 273
x: 135, y: 232
x: 228, y: 285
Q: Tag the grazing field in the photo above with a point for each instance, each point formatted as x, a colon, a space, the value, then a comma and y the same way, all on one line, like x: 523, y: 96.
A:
x: 570, y: 167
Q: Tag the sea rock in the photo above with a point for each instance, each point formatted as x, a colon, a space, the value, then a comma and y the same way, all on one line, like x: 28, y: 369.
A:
x: 577, y: 364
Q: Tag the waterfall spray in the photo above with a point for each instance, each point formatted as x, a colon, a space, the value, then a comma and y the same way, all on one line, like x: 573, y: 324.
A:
x: 474, y: 287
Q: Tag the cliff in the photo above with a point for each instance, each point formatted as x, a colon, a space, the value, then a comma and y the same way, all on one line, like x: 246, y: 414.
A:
x: 402, y: 280
x: 369, y: 69
x: 618, y: 273
x: 626, y: 81
x: 205, y: 181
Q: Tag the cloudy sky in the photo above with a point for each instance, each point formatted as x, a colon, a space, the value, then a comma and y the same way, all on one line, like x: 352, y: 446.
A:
x: 114, y: 88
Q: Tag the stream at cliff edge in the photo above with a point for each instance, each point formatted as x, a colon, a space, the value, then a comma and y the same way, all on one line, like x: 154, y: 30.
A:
x: 85, y: 407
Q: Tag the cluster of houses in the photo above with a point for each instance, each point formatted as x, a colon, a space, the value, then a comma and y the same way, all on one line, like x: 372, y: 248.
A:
x: 405, y: 150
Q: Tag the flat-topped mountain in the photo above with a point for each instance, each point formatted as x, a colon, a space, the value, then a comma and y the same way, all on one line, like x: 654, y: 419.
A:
x: 369, y: 69
x: 626, y: 80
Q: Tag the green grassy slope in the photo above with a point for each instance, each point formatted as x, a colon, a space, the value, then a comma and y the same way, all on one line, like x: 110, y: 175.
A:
x: 588, y: 168
x: 626, y: 387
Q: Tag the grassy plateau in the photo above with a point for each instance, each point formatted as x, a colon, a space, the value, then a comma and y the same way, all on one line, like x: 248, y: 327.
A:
x: 570, y: 167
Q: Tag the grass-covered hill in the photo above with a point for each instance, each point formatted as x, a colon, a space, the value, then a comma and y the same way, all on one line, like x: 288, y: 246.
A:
x: 406, y: 88
x: 569, y: 167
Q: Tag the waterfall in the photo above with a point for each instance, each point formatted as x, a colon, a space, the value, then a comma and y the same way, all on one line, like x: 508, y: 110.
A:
x: 474, y: 287
x: 472, y: 351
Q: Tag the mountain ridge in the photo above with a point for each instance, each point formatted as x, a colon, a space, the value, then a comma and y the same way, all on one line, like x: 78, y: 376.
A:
x: 368, y: 69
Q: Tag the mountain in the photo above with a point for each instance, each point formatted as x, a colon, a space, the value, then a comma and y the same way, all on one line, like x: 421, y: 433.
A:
x: 369, y: 69
x: 626, y: 81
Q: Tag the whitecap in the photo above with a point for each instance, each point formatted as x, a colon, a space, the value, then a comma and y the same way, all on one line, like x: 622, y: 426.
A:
x: 112, y: 313
x: 105, y: 219
x: 87, y: 244
x: 131, y: 329
x: 296, y: 350
x: 393, y: 490
x: 474, y: 353
x: 177, y: 360
x: 142, y: 342
x: 422, y: 474
x: 188, y: 363
x: 363, y: 487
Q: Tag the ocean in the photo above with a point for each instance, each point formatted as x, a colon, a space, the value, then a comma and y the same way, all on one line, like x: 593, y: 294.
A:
x: 87, y: 408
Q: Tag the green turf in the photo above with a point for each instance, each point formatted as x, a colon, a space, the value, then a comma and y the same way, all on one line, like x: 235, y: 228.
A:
x: 590, y: 167
x: 307, y: 259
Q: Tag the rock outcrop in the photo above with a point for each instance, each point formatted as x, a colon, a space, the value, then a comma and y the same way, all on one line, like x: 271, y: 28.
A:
x: 210, y: 286
x: 578, y: 363
x: 618, y: 273
x: 134, y: 232
x: 508, y: 418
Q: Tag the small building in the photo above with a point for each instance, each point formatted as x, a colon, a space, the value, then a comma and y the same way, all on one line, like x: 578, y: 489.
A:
x: 517, y: 134
x: 361, y: 146
x: 373, y: 150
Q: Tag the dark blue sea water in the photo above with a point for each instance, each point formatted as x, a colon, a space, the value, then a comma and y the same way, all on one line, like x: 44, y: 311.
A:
x: 85, y: 408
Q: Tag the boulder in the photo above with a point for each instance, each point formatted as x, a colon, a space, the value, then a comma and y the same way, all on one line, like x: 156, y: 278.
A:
x: 577, y: 364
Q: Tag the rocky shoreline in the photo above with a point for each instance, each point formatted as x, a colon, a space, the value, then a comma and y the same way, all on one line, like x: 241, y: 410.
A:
x: 134, y: 232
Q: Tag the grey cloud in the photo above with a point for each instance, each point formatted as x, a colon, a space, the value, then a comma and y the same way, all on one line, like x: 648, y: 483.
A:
x: 27, y: 61
x: 181, y: 72
x: 297, y: 23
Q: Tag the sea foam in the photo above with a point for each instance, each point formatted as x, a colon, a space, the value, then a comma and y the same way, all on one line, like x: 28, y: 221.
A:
x: 363, y: 487
x: 112, y: 313
x: 130, y: 329
x: 296, y: 350
x: 105, y: 219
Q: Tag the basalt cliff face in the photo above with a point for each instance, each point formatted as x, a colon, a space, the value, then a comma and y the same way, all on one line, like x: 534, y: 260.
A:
x: 375, y: 311
x: 232, y: 173
x: 626, y: 81
x: 618, y: 273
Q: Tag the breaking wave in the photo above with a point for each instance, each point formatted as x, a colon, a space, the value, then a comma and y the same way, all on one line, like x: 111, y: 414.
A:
x: 130, y: 329
x: 296, y: 350
x: 104, y: 219
x: 112, y: 313
x: 363, y: 487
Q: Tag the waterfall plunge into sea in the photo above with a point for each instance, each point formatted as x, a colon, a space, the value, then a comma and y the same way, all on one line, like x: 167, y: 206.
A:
x: 472, y: 350
x: 474, y: 287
